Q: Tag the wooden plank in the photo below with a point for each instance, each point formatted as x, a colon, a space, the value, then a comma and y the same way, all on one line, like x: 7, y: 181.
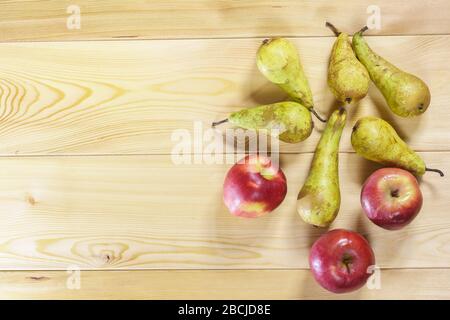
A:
x: 119, y: 212
x: 128, y: 97
x: 214, y: 284
x: 156, y: 19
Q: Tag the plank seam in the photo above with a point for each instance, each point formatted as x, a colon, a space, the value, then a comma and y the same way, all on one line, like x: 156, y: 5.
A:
x: 201, y: 270
x: 70, y: 155
x: 214, y: 38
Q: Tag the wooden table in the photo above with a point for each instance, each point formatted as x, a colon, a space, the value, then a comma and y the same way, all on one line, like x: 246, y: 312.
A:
x: 85, y: 141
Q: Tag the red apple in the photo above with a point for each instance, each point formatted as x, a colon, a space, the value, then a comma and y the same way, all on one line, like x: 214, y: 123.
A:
x: 254, y: 187
x: 340, y: 260
x: 391, y: 198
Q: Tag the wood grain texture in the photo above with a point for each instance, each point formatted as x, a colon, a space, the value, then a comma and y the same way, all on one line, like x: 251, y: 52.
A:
x: 100, y: 192
x: 130, y: 212
x: 128, y: 97
x: 156, y: 19
x: 217, y: 284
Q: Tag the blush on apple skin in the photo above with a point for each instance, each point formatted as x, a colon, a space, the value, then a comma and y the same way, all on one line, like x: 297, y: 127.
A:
x: 254, y: 187
x: 391, y: 198
x: 340, y: 260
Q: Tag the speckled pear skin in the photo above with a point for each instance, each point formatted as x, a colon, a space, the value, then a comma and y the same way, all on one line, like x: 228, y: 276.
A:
x: 278, y: 61
x: 348, y: 79
x: 319, y: 199
x: 291, y: 119
x: 405, y: 94
x: 376, y: 140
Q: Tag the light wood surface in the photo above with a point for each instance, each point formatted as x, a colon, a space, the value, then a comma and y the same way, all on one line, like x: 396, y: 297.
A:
x: 214, y: 284
x: 159, y: 19
x: 129, y: 96
x: 85, y: 149
x: 145, y: 212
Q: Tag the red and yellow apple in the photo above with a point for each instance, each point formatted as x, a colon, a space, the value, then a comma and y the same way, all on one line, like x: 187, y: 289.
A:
x: 340, y: 260
x: 254, y: 187
x: 391, y: 198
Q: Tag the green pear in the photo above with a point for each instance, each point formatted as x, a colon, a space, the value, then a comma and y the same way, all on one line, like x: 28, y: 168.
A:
x: 405, y: 94
x: 376, y: 140
x: 348, y: 79
x: 289, y: 119
x: 278, y: 61
x: 319, y: 199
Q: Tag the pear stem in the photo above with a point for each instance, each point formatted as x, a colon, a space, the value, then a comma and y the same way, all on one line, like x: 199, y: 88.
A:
x: 317, y: 115
x: 435, y: 170
x: 365, y: 28
x: 332, y: 28
x: 218, y: 122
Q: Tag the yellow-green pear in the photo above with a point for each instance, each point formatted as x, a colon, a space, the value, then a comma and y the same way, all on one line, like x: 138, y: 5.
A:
x: 319, y: 199
x: 348, y: 79
x: 279, y: 62
x: 291, y: 120
x: 405, y: 94
x: 376, y: 140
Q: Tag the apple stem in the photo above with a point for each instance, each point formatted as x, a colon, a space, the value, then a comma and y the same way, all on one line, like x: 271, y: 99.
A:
x: 332, y: 28
x: 219, y: 122
x: 435, y: 170
x: 347, y: 267
x: 347, y: 261
x: 316, y: 114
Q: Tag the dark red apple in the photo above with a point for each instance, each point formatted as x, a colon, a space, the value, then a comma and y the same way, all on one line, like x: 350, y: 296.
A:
x: 340, y: 260
x: 391, y: 198
x: 254, y: 187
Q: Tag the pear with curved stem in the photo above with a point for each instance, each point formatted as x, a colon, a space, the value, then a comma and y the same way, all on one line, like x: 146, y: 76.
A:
x: 290, y: 120
x: 319, y: 199
x: 278, y: 61
x: 405, y: 94
x: 376, y: 140
x: 348, y: 79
